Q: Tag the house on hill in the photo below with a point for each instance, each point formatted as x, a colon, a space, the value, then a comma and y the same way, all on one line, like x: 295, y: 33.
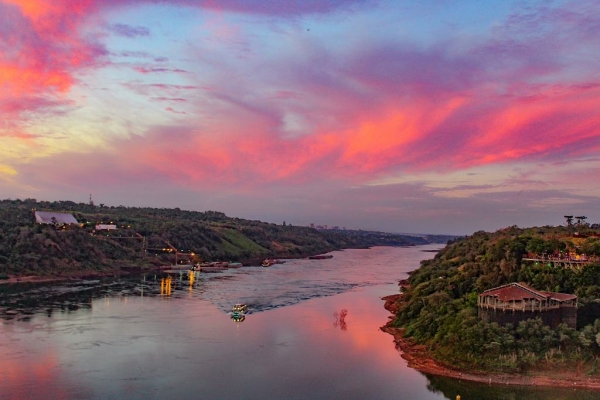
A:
x: 54, y: 218
x: 517, y: 302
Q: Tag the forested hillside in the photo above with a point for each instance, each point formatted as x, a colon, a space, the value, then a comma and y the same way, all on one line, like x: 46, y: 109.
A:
x: 30, y: 248
x: 439, y: 304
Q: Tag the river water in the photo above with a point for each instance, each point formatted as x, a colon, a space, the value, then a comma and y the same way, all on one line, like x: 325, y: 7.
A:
x: 311, y: 332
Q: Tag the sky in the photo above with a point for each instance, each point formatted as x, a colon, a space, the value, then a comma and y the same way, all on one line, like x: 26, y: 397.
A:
x: 402, y: 116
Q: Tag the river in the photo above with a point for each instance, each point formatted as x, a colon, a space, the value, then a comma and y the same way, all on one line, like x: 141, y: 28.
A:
x: 311, y: 332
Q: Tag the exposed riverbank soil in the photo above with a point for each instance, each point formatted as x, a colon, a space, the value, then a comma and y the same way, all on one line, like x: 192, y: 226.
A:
x: 29, y: 279
x: 61, y: 278
x: 418, y: 358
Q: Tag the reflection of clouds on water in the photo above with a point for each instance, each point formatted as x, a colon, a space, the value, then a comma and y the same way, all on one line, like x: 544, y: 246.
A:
x: 138, y: 344
x: 340, y: 319
x: 298, y: 280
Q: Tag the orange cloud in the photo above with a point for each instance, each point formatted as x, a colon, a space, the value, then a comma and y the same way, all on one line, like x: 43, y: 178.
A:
x: 19, y: 80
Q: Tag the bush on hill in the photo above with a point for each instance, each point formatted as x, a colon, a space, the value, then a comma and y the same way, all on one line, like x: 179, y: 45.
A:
x: 439, y: 306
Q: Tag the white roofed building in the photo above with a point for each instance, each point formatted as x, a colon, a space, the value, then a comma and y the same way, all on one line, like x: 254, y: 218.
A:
x: 52, y: 218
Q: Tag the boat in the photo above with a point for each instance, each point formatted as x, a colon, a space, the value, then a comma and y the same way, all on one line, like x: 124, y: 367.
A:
x: 237, y: 316
x: 212, y: 266
x: 320, y: 257
x: 234, y: 265
x: 238, y: 310
x: 240, y: 307
x: 222, y: 264
x: 268, y: 262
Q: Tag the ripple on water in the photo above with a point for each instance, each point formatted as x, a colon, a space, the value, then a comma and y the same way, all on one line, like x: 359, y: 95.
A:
x: 261, y: 288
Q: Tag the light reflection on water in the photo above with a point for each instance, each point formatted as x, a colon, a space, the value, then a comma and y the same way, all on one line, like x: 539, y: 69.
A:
x: 131, y: 339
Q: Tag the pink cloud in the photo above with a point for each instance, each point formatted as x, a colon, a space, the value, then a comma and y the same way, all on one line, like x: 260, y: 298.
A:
x: 146, y: 70
x: 275, y: 7
x: 159, y: 89
x: 377, y: 109
x: 128, y: 30
x: 171, y: 109
x: 19, y: 135
x: 173, y: 99
x: 243, y: 146
x: 40, y: 50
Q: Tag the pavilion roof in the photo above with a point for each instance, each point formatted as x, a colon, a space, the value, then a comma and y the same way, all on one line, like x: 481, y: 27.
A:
x: 519, y: 291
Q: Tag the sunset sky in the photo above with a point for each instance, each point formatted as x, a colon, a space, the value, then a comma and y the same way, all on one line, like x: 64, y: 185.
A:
x: 401, y: 116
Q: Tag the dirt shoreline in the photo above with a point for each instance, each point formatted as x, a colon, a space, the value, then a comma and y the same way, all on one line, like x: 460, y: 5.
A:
x: 47, y: 279
x: 419, y: 359
x: 30, y: 279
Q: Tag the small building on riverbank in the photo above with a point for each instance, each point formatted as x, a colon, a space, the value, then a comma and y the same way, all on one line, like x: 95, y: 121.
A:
x: 517, y: 302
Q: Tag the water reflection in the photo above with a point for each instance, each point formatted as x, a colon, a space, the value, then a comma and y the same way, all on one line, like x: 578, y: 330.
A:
x: 340, y: 319
x: 450, y: 388
x: 308, y: 330
x: 165, y: 286
x: 261, y: 288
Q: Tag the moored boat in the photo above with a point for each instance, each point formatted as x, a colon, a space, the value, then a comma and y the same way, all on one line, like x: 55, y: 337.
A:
x: 215, y: 266
x: 320, y: 257
x: 268, y: 262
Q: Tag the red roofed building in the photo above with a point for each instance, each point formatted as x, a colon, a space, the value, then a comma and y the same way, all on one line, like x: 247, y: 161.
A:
x: 516, y: 302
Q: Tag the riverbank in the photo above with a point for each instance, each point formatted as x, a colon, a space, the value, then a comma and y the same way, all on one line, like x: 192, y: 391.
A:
x: 418, y: 358
x: 131, y: 270
x: 30, y: 279
x: 48, y: 279
x: 73, y: 276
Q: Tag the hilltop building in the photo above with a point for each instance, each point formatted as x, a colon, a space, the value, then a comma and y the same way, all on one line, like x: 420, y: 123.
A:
x: 54, y: 218
x: 106, y: 227
x: 517, y: 302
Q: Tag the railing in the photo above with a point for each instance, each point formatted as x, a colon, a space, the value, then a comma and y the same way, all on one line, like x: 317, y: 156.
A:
x: 519, y: 307
x: 564, y: 259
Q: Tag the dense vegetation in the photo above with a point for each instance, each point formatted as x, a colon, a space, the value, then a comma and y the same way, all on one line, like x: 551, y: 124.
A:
x: 439, y: 305
x: 30, y: 248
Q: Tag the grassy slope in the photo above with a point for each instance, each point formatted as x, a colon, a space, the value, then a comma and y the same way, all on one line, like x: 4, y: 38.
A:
x: 29, y: 248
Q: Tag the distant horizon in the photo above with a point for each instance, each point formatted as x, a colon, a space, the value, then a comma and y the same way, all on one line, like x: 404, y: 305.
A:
x: 390, y: 116
x: 329, y: 227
